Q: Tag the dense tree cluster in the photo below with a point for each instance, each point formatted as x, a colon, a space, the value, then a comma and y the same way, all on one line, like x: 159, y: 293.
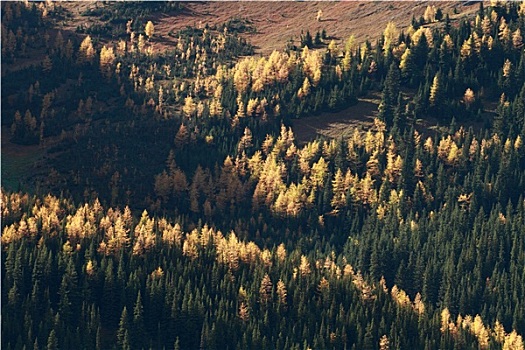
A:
x: 184, y: 214
x: 72, y: 273
x: 20, y: 24
x: 112, y: 19
x: 129, y: 69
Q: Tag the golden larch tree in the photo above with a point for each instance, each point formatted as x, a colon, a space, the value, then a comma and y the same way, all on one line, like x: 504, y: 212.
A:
x: 430, y: 14
x: 338, y: 184
x: 265, y: 291
x: 435, y: 91
x: 384, y: 343
x: 244, y: 311
x: 305, y: 89
x: 189, y: 107
x: 517, y: 39
x: 486, y: 26
x: 281, y: 293
x: 469, y: 97
x: 86, y: 51
x: 149, y: 30
x: 319, y: 16
x: 304, y: 267
x: 390, y: 36
x: 107, y: 59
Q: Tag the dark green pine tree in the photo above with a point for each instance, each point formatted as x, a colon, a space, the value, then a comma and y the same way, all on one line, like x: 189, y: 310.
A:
x: 447, y: 24
x: 98, y: 339
x: 123, y: 337
x: 390, y: 95
x: 419, y: 57
x: 67, y: 293
x: 138, y: 322
x: 400, y: 118
x: 518, y: 111
x: 52, y: 341
x: 109, y: 313
x: 334, y: 99
x: 307, y: 39
x: 368, y: 339
x: 317, y: 40
x: 439, y: 14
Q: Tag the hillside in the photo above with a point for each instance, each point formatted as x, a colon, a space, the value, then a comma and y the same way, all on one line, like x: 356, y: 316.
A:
x: 273, y: 24
x: 171, y: 181
x: 278, y: 22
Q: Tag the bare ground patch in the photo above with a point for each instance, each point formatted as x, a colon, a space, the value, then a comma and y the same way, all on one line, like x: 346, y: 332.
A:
x: 338, y: 124
x: 361, y: 116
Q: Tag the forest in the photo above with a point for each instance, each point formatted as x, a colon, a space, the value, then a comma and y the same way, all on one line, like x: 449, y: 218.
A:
x: 173, y: 206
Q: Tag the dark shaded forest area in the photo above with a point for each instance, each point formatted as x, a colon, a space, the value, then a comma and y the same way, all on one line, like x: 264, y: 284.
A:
x: 174, y: 209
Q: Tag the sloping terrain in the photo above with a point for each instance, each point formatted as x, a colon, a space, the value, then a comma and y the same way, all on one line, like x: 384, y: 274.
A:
x: 17, y: 160
x: 339, y: 124
x: 277, y: 22
x: 165, y: 201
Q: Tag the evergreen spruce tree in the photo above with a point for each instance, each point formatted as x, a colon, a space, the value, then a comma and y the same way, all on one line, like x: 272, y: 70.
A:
x: 390, y: 95
x: 123, y: 336
x: 52, y: 341
x: 138, y: 334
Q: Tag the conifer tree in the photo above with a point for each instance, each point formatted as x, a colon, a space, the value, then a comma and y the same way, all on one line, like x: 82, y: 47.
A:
x: 149, y: 29
x: 123, y: 330
x: 86, y: 52
x: 52, y: 341
x: 390, y: 36
x: 107, y: 59
x: 390, y: 94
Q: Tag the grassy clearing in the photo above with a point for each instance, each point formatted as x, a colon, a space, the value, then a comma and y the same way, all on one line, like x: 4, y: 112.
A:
x: 17, y: 163
x: 339, y: 124
x: 361, y: 116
